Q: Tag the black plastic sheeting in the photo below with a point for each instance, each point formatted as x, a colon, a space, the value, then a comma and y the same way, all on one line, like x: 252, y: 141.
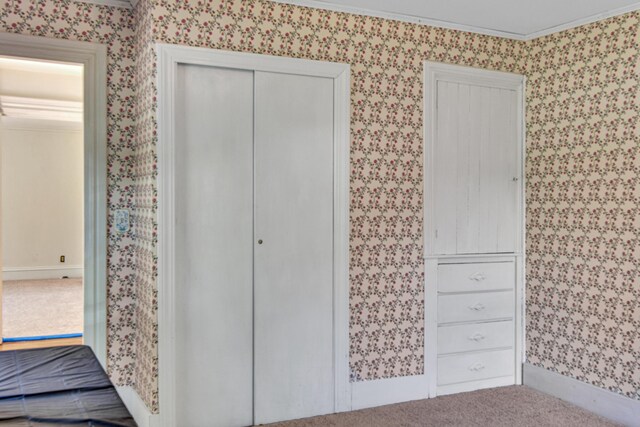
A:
x: 58, y: 386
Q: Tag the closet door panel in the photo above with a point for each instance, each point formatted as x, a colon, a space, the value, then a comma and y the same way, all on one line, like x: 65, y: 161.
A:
x: 464, y: 233
x: 475, y: 152
x: 294, y: 264
x: 446, y: 169
x: 507, y: 133
x: 214, y: 246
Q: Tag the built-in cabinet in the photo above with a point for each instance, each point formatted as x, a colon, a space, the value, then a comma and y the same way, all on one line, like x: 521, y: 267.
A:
x: 473, y: 228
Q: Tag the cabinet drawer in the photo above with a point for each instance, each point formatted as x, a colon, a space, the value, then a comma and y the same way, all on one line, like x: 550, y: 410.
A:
x: 487, y: 276
x: 474, y: 337
x: 475, y: 307
x: 475, y: 366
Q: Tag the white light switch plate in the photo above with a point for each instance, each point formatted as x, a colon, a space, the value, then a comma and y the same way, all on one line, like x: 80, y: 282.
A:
x: 122, y: 220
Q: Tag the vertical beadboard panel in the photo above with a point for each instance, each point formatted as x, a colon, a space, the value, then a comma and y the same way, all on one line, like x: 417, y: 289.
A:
x: 462, y: 177
x: 476, y: 105
x: 446, y: 153
x: 507, y: 230
x: 488, y: 165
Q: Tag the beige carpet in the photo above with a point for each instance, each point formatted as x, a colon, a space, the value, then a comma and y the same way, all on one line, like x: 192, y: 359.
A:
x: 42, y: 307
x: 498, y: 407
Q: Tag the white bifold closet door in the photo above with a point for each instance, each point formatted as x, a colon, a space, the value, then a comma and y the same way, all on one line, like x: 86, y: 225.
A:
x: 254, y: 246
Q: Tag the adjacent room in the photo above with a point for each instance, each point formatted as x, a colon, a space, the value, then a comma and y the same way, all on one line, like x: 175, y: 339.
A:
x: 230, y: 213
x: 42, y: 203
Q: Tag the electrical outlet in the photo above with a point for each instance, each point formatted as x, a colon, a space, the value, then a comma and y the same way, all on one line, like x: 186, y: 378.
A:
x: 61, y: 258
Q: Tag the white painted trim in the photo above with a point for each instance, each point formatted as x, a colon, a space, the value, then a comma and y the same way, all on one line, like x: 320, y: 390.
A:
x: 457, y: 26
x: 402, y: 17
x: 169, y: 56
x: 41, y: 272
x: 583, y: 21
x: 342, y: 174
x: 93, y: 57
x: 605, y: 403
x: 431, y: 325
x: 368, y: 394
x: 445, y: 390
x: 126, y: 4
x: 130, y: 4
x: 434, y: 72
x: 40, y: 109
x: 136, y: 406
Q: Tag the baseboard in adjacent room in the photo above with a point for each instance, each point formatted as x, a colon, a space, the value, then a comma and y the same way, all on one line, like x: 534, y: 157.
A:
x: 137, y: 408
x: 368, y: 394
x: 40, y: 273
x: 605, y: 403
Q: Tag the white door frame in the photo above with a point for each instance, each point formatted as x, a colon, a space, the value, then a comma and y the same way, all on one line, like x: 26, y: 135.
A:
x: 434, y: 72
x: 93, y: 57
x: 169, y: 57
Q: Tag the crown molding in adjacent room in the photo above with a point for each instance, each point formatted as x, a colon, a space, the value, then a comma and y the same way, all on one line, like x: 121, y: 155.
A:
x: 41, y: 109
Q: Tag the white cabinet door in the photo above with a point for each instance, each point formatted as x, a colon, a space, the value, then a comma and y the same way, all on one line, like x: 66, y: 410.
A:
x: 214, y: 246
x: 294, y: 375
x: 475, y: 153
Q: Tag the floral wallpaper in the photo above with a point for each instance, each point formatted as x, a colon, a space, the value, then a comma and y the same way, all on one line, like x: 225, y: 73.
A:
x: 112, y: 27
x: 582, y: 171
x: 145, y: 376
x: 386, y: 58
x: 583, y: 195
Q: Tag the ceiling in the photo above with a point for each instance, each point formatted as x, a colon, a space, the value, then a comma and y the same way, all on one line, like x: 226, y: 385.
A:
x: 518, y: 19
x: 49, y: 67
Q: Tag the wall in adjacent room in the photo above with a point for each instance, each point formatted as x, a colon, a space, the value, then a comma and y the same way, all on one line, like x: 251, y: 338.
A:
x: 42, y: 176
x: 583, y: 196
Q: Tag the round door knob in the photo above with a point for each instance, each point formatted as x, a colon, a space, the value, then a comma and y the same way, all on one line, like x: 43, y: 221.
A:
x: 260, y: 241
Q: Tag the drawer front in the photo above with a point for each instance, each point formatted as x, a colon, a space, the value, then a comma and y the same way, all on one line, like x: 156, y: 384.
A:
x: 475, y: 307
x: 487, y: 276
x: 475, y: 366
x: 475, y: 337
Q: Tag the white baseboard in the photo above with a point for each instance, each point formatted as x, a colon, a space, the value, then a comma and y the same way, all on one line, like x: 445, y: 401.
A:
x: 137, y: 408
x: 40, y: 273
x: 368, y: 394
x: 605, y: 403
x: 444, y: 390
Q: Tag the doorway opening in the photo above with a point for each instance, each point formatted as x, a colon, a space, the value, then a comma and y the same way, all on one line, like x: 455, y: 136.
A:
x: 41, y: 203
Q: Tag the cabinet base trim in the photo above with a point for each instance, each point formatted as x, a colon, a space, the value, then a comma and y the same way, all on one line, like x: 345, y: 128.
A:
x: 605, y: 403
x: 368, y: 394
x: 444, y: 390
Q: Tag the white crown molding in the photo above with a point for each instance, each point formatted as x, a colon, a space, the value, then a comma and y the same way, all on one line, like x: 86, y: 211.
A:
x: 584, y: 21
x: 41, y: 109
x: 401, y: 17
x: 130, y: 4
x: 460, y: 27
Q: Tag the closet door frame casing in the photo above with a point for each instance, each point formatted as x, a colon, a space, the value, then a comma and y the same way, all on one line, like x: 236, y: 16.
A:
x: 169, y: 58
x: 435, y: 72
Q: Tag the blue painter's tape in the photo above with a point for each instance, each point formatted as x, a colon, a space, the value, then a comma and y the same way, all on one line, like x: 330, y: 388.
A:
x: 42, y: 337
